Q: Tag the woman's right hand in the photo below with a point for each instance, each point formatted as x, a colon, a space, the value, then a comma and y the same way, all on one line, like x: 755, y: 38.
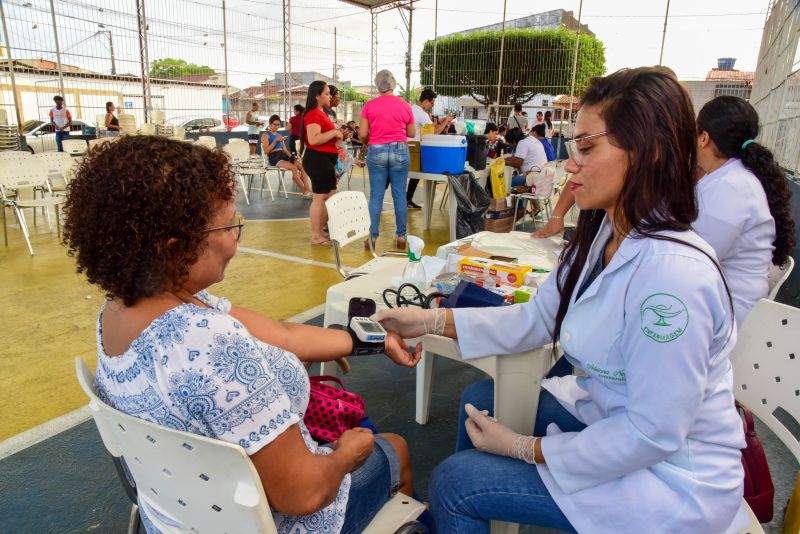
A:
x: 339, y: 134
x: 357, y: 443
x: 412, y: 322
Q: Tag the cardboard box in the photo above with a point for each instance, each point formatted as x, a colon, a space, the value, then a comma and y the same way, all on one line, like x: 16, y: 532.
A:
x: 499, y: 204
x: 501, y: 214
x: 506, y: 273
x: 503, y: 225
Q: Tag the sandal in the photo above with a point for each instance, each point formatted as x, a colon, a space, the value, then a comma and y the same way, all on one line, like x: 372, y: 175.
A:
x: 366, y: 243
x: 400, y: 242
x: 326, y: 242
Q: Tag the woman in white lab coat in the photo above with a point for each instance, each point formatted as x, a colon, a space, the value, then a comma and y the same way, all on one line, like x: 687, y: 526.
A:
x: 648, y: 440
x: 743, y: 198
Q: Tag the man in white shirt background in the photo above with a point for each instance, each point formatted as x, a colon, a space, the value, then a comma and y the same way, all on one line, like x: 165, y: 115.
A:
x: 422, y: 109
x: 529, y: 154
x: 61, y: 119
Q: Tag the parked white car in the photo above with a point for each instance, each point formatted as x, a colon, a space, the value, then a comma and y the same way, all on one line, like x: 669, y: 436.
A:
x: 197, y: 124
x: 40, y: 136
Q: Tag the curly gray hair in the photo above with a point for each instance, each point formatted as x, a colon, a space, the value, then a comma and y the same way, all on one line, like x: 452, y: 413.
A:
x: 384, y: 81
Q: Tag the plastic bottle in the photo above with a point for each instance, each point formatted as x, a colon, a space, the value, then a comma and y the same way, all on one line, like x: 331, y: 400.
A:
x: 414, y: 271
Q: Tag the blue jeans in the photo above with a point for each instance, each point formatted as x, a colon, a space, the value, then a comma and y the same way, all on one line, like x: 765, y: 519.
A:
x: 60, y: 136
x: 388, y: 163
x: 371, y: 485
x: 471, y: 488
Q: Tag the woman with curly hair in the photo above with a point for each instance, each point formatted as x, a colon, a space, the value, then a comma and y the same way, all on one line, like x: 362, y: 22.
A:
x: 744, y: 199
x: 153, y: 223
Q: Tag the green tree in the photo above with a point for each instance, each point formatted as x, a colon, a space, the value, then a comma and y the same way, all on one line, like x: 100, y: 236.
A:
x: 351, y: 95
x: 534, y: 61
x: 170, y: 68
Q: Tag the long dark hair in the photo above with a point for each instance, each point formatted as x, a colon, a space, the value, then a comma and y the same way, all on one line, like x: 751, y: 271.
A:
x: 730, y: 121
x: 649, y: 115
x: 548, y: 119
x: 314, y: 90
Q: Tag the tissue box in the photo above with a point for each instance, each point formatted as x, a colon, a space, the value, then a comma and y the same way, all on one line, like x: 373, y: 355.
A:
x: 506, y: 273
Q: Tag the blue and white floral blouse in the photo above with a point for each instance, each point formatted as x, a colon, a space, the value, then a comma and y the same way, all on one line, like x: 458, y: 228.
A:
x: 199, y: 370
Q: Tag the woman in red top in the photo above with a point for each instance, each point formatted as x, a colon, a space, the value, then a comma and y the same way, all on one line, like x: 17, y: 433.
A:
x: 320, y: 137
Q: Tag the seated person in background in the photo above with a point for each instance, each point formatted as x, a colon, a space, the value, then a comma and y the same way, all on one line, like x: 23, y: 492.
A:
x: 273, y: 146
x: 494, y: 144
x: 529, y: 154
x: 173, y: 354
x: 538, y: 132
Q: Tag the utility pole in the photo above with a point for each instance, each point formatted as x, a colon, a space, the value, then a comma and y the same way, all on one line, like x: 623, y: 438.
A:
x: 408, y: 52
x: 11, y: 70
x: 225, y: 49
x: 500, y: 69
x: 287, y: 56
x: 575, y: 61
x: 373, y: 58
x: 435, y: 40
x: 58, y: 49
x: 144, y: 61
x: 663, y: 35
x: 335, y: 62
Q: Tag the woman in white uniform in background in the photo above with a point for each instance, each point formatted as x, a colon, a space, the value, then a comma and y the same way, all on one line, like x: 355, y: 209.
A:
x: 743, y: 198
x: 648, y: 440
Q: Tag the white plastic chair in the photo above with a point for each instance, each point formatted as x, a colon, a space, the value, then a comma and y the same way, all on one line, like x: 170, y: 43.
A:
x: 778, y: 275
x: 147, y: 129
x: 348, y: 221
x: 14, y: 155
x: 766, y: 372
x: 34, y: 178
x: 243, y: 165
x: 179, y: 132
x: 207, y: 141
x: 202, y: 484
x: 101, y: 124
x: 74, y: 147
x: 544, y: 182
x: 60, y: 167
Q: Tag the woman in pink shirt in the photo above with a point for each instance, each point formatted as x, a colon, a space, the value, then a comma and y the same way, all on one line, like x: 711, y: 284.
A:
x: 386, y: 123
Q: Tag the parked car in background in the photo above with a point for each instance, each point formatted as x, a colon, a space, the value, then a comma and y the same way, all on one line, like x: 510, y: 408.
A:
x: 197, y: 124
x: 40, y: 136
x: 231, y: 120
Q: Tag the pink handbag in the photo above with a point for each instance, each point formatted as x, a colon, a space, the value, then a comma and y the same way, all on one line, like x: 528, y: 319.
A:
x: 331, y: 410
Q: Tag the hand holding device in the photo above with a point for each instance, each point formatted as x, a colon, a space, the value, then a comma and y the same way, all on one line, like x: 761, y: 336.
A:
x: 412, y: 321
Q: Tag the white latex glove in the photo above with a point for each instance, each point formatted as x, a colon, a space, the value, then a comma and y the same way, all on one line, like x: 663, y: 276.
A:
x: 490, y: 436
x: 412, y: 321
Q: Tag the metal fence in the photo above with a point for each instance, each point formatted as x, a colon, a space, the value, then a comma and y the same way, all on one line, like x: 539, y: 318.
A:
x: 202, y: 63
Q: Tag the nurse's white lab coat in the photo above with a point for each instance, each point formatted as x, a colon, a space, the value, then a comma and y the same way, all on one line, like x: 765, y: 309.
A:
x: 653, y: 332
x: 734, y: 218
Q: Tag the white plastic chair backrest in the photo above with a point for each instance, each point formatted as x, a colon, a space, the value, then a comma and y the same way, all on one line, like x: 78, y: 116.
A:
x: 203, y: 484
x: 348, y: 217
x: 74, y: 146
x: 59, y: 166
x: 766, y: 368
x: 147, y: 129
x: 156, y: 116
x: 778, y: 275
x: 94, y: 142
x: 239, y: 152
x: 207, y: 141
x: 179, y: 132
x: 543, y: 181
x: 15, y: 155
x: 101, y: 122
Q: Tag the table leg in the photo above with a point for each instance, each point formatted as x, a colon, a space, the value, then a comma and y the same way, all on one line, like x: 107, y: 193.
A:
x: 427, y: 209
x: 517, y: 401
x: 424, y: 387
x: 451, y: 209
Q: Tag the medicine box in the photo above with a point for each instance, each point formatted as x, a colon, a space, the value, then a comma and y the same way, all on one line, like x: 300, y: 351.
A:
x: 506, y: 273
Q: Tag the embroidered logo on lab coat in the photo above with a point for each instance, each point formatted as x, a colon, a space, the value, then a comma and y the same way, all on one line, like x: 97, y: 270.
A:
x: 664, y: 317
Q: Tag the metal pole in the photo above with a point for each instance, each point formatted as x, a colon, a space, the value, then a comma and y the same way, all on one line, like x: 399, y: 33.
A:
x: 113, y: 59
x: 575, y: 61
x: 11, y: 69
x: 143, y: 59
x: 225, y: 48
x: 435, y: 40
x: 408, y: 52
x: 287, y: 55
x: 663, y: 35
x: 374, y: 50
x: 500, y: 68
x: 58, y: 49
x: 334, y: 56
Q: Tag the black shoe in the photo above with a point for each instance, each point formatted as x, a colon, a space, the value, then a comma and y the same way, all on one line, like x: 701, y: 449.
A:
x: 410, y: 205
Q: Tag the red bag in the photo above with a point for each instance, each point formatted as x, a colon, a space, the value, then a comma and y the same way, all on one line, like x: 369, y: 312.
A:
x: 758, y: 489
x: 331, y: 410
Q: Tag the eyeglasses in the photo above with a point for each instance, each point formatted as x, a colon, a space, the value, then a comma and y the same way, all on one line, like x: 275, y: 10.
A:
x: 574, y: 149
x: 238, y: 227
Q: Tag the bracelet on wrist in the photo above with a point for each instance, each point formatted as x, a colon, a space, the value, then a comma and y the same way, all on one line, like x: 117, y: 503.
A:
x: 556, y: 217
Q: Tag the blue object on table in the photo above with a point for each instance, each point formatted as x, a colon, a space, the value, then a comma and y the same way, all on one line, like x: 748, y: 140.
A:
x: 469, y: 295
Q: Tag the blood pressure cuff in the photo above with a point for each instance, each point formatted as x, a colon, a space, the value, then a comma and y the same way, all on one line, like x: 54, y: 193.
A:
x: 469, y: 295
x: 361, y: 348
